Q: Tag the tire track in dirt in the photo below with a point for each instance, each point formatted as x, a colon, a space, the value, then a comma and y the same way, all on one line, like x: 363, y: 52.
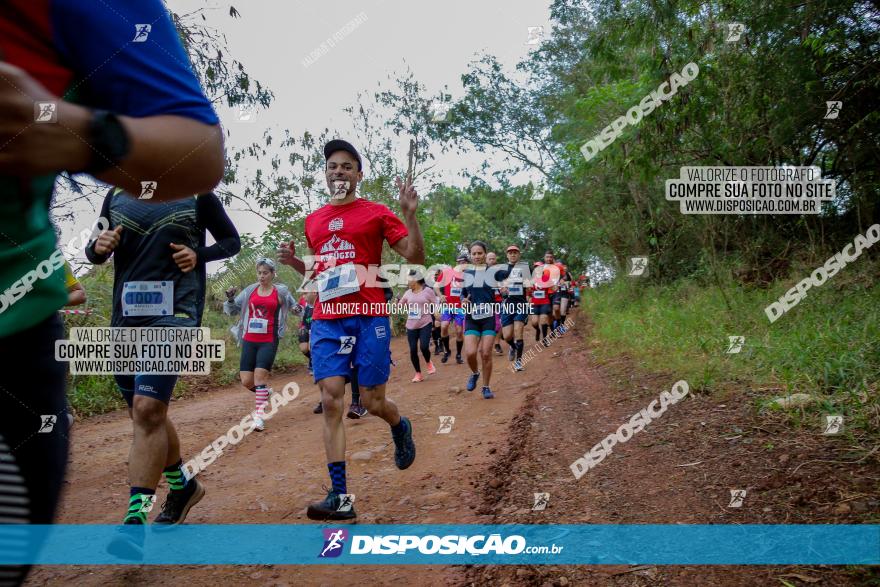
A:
x: 486, y: 470
x: 270, y: 477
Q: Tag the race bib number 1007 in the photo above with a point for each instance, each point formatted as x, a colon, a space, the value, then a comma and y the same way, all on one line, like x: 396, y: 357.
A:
x: 148, y: 298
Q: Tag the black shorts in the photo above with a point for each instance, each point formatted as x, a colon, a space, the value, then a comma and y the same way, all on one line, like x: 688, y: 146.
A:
x: 557, y: 298
x: 541, y: 309
x: 155, y: 386
x: 479, y: 327
x: 257, y: 355
x: 304, y: 335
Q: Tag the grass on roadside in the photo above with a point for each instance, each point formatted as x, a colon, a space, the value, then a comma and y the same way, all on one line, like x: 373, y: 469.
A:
x: 828, y: 345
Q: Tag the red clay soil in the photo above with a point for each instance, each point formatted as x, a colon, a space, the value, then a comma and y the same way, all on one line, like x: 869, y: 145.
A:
x: 680, y: 469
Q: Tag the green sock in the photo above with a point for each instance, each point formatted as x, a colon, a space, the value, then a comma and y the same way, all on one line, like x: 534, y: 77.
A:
x: 175, y: 477
x: 138, y: 506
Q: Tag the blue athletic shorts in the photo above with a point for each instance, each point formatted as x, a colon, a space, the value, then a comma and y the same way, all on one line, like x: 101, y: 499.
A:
x: 358, y: 341
x: 155, y: 386
x: 457, y: 313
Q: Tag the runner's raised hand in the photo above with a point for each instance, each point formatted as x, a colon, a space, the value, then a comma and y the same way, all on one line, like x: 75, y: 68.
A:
x: 409, y: 198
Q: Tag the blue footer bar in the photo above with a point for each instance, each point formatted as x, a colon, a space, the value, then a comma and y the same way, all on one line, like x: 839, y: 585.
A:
x: 296, y: 544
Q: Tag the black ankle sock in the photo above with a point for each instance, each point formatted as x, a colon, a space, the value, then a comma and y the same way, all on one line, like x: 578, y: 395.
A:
x: 519, y: 348
x: 544, y: 329
x: 458, y: 345
x: 445, y: 341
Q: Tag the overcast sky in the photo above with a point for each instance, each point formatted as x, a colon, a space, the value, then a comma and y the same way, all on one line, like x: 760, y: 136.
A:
x: 436, y: 40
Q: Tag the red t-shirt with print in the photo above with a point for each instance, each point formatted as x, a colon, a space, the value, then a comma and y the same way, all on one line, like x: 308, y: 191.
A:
x: 352, y: 233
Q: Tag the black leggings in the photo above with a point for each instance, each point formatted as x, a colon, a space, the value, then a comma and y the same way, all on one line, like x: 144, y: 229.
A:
x: 419, y: 337
x: 33, y: 429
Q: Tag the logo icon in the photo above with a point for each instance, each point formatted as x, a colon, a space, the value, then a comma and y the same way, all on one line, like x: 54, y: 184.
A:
x: 47, y: 423
x: 335, y: 224
x: 737, y: 496
x: 833, y: 424
x: 346, y: 345
x: 380, y: 332
x: 734, y: 31
x: 446, y: 423
x: 148, y: 188
x: 334, y: 540
x: 45, y: 112
x: 141, y: 32
x: 536, y: 35
x: 638, y: 266
x: 340, y: 190
x: 246, y: 113
x: 439, y: 112
x: 735, y: 344
x: 147, y: 502
x: 346, y: 501
x: 832, y: 109
x: 334, y: 246
x: 541, y: 501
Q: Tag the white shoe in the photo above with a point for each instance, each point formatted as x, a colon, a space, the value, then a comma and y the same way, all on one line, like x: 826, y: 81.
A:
x: 259, y: 425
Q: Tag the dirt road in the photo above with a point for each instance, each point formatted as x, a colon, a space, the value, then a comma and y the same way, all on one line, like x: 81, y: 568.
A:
x: 679, y: 470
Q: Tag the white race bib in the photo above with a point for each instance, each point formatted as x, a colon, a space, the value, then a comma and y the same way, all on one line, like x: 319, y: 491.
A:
x: 482, y: 311
x: 515, y: 290
x: 148, y: 298
x: 539, y: 294
x: 455, y: 292
x: 258, y: 326
x: 414, y: 313
x: 338, y: 281
x: 563, y: 288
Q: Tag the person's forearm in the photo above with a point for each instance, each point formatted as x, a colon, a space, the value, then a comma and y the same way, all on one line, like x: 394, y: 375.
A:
x: 183, y: 156
x: 416, y: 251
x: 94, y: 257
x: 298, y: 264
x: 76, y: 297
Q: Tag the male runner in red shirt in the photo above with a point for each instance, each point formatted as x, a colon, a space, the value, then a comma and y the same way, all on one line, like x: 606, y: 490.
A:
x: 350, y: 324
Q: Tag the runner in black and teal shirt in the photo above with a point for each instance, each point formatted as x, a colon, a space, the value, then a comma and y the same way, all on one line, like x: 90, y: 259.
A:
x: 479, y: 322
x: 159, y: 248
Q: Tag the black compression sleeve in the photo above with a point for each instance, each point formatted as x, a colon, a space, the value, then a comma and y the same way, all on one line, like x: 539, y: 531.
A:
x: 211, y: 216
x: 91, y: 255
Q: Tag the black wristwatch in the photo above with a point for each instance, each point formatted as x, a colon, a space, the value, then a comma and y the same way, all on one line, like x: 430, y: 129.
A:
x: 109, y: 141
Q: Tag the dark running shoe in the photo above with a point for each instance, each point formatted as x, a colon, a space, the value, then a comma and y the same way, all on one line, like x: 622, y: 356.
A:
x: 498, y: 350
x: 438, y: 349
x: 459, y: 360
x: 472, y: 381
x: 331, y: 508
x: 487, y: 393
x: 178, y: 504
x: 404, y: 447
x: 319, y: 409
x: 128, y: 543
x: 511, y: 354
x: 445, y: 357
x: 356, y: 411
